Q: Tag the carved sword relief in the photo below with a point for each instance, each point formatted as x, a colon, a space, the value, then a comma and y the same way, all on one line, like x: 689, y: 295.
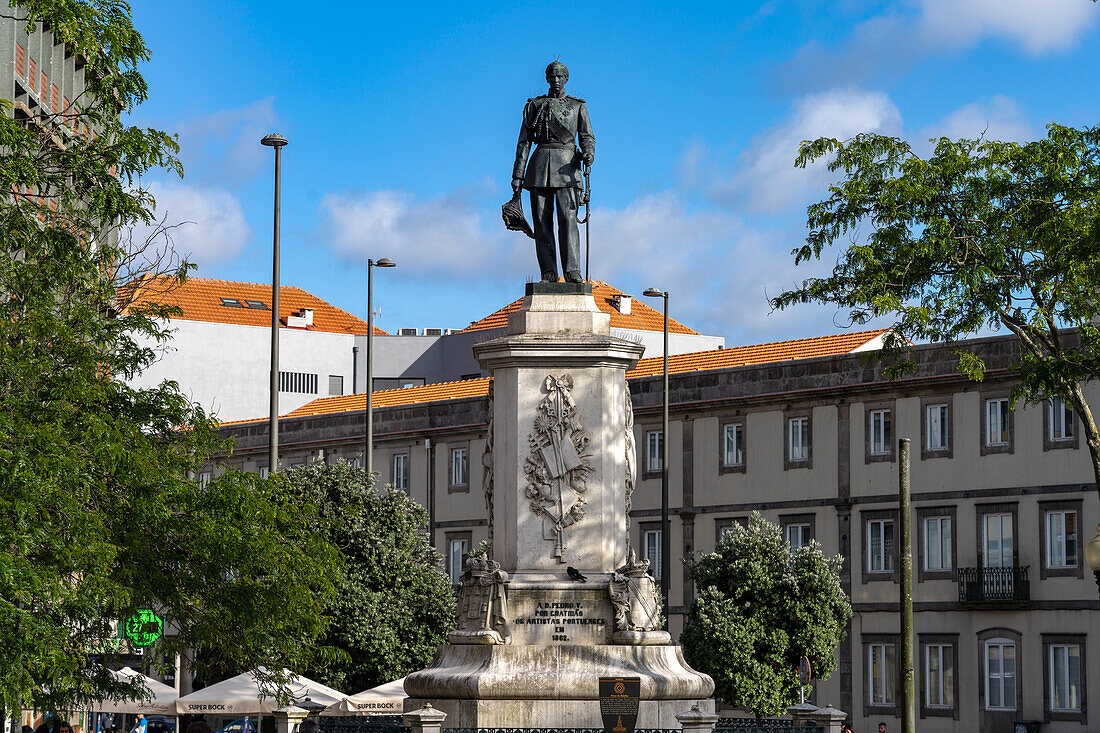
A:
x: 487, y: 465
x: 558, y: 465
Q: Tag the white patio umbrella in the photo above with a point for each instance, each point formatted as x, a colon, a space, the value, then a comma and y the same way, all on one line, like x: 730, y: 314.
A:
x: 387, y: 699
x: 162, y: 702
x: 241, y: 695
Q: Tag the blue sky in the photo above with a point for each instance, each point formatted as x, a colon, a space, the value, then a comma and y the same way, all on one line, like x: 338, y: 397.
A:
x: 402, y: 120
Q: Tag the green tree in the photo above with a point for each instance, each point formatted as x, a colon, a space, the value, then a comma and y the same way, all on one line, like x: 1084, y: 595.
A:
x: 760, y: 608
x: 394, y: 604
x: 980, y: 234
x: 98, y: 517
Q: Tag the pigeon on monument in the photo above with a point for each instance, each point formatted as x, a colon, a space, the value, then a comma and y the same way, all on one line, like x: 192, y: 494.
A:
x: 575, y: 574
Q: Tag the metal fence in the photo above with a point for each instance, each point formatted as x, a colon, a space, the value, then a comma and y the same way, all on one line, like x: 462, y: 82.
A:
x: 764, y: 725
x: 392, y: 724
x: 363, y: 724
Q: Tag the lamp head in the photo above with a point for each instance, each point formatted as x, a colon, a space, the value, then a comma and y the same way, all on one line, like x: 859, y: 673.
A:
x: 654, y: 293
x: 273, y: 140
x: 385, y: 262
x: 1092, y: 554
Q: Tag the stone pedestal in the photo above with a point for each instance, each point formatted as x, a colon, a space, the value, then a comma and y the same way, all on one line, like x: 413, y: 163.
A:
x: 561, y: 601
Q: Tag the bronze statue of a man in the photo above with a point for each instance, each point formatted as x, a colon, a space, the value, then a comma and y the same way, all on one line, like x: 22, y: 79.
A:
x: 554, y: 123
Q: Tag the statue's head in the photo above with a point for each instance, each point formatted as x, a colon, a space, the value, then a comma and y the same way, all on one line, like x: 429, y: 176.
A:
x: 556, y: 75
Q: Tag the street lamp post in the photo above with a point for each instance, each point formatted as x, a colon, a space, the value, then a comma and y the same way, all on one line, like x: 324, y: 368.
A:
x: 666, y: 565
x: 277, y: 141
x: 368, y: 456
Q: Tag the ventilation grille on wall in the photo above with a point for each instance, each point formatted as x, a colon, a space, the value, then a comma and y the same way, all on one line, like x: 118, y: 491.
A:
x: 299, y: 382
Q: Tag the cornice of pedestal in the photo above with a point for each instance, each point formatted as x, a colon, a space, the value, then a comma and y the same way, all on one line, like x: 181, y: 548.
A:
x: 572, y: 350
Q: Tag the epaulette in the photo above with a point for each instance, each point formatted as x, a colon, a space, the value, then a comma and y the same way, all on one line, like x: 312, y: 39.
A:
x: 575, y: 99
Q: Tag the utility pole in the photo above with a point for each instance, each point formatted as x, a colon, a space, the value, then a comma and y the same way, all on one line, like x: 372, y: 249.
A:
x: 908, y: 688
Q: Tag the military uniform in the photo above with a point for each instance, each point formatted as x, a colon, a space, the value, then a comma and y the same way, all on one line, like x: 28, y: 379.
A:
x: 553, y: 176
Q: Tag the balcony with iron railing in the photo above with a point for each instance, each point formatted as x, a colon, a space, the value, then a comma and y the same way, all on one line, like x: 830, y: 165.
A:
x: 994, y: 587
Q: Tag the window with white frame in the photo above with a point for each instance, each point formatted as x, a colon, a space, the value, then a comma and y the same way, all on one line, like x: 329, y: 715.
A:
x: 1062, y: 539
x: 939, y: 675
x: 937, y: 544
x: 881, y: 667
x: 997, y: 539
x: 204, y: 479
x: 457, y: 551
x: 401, y: 471
x: 997, y: 431
x: 1000, y: 674
x: 798, y: 535
x: 654, y: 451
x: 881, y: 440
x: 651, y: 546
x: 936, y: 427
x: 1065, y: 678
x: 264, y: 471
x: 459, y: 467
x: 798, y: 434
x: 880, y: 546
x: 734, y: 452
x: 1060, y: 419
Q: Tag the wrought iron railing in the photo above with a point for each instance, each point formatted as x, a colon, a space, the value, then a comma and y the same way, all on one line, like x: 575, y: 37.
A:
x: 994, y: 585
x: 363, y: 724
x: 766, y: 725
x: 392, y: 724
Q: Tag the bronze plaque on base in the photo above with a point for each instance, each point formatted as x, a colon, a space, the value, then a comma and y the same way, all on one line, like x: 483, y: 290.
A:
x: 619, y: 703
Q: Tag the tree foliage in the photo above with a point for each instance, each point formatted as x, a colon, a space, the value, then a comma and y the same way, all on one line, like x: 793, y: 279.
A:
x: 98, y: 516
x: 394, y: 604
x: 979, y: 234
x: 759, y: 609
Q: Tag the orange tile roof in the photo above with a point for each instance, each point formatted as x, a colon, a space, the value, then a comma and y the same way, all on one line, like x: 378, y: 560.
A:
x: 641, y: 318
x: 400, y: 396
x: 835, y: 345
x: 200, y: 300
x: 842, y: 343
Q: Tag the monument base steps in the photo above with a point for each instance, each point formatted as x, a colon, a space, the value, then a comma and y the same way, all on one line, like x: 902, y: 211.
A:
x: 529, y: 713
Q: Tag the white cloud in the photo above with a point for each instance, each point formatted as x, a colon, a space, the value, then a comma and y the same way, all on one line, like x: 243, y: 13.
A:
x: 907, y: 31
x: 718, y: 270
x: 765, y: 179
x: 225, y: 145
x: 211, y: 223
x: 1039, y: 26
x: 428, y: 237
x: 1001, y: 118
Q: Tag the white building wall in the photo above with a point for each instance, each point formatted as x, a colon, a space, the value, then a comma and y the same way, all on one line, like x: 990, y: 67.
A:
x: 225, y: 367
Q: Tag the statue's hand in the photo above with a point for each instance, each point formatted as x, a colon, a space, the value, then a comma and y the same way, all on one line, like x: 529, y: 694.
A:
x: 587, y: 158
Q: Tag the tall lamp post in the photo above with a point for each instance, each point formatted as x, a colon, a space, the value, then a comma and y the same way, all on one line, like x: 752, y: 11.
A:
x: 666, y: 565
x: 371, y: 264
x: 277, y: 141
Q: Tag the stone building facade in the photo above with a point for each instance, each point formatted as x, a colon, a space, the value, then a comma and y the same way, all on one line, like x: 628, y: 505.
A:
x: 1003, y: 503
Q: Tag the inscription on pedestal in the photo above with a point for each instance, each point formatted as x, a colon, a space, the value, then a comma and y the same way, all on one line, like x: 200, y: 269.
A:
x: 561, y: 617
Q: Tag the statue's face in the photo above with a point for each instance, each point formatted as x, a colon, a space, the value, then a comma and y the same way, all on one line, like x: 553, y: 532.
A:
x: 556, y: 78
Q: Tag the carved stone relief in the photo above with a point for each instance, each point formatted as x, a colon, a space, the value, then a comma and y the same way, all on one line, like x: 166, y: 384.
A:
x: 634, y: 597
x: 558, y: 465
x: 487, y: 465
x: 482, y: 616
x: 631, y: 457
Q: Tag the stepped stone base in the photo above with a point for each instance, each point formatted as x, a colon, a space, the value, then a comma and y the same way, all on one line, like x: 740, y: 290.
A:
x: 554, y: 686
x: 552, y: 713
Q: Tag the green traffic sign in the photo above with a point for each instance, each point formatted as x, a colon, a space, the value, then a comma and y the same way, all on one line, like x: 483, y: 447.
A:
x: 144, y: 627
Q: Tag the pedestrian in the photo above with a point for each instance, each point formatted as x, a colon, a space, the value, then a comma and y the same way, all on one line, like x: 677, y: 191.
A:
x: 140, y: 725
x: 845, y: 728
x: 62, y: 726
x: 882, y: 727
